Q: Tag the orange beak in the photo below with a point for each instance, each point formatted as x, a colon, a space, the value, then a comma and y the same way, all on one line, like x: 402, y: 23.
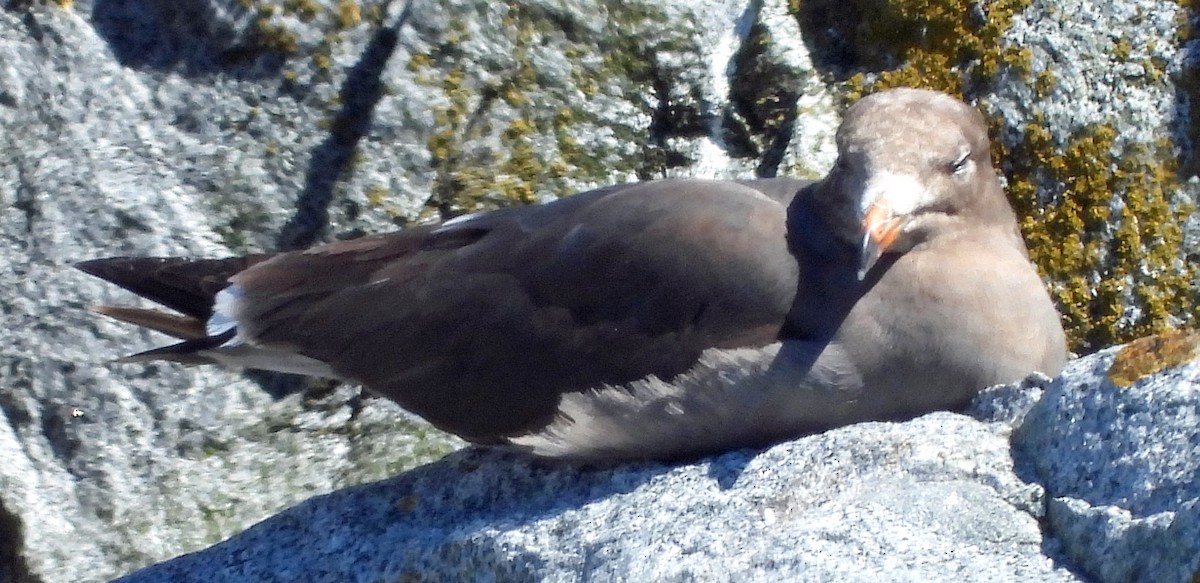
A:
x: 880, y: 228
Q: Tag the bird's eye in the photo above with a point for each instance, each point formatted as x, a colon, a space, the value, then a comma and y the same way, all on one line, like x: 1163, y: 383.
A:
x: 961, y: 165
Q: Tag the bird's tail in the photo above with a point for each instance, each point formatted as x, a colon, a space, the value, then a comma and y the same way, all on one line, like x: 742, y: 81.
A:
x: 187, y: 286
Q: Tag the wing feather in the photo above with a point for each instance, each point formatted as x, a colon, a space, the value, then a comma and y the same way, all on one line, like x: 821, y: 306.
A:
x: 481, y: 325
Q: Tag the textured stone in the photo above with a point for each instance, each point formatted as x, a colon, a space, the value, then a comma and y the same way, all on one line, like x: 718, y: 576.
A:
x: 934, y: 499
x: 1122, y: 468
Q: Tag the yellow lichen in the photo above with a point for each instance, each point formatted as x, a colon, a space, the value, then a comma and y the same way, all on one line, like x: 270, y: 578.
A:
x: 305, y: 10
x: 1044, y: 83
x: 1121, y: 49
x: 1106, y: 232
x: 419, y: 61
x: 492, y: 144
x: 376, y: 195
x: 1149, y: 355
x: 322, y: 61
x: 348, y: 14
x: 272, y: 35
x: 938, y: 44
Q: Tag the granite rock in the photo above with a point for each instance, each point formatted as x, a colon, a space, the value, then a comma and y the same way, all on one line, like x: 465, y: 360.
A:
x: 1121, y: 468
x: 934, y: 499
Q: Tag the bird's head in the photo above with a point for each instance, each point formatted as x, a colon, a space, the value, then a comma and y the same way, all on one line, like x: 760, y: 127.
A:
x: 913, y: 163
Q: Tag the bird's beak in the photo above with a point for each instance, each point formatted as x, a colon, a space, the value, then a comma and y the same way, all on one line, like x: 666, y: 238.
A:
x: 880, y: 226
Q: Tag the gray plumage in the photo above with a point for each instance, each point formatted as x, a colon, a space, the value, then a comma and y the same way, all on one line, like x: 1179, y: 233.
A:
x: 659, y: 319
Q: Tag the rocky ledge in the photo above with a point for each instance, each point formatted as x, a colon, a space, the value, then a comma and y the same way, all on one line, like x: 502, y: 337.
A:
x: 1092, y: 476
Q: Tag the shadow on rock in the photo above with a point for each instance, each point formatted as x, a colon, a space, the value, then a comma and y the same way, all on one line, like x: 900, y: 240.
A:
x: 444, y: 513
x: 191, y: 38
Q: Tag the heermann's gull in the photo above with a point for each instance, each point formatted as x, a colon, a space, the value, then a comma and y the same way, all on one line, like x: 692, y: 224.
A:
x: 657, y: 319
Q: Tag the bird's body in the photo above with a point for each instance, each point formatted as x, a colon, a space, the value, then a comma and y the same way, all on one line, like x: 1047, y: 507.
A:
x: 657, y: 319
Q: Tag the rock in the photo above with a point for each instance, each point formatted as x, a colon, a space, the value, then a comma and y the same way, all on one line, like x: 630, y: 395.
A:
x: 934, y: 499
x: 1110, y: 472
x: 1120, y: 462
x: 1095, y: 116
x: 1094, y: 68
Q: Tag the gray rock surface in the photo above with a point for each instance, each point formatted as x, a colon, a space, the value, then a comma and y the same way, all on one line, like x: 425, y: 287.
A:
x: 934, y: 499
x: 1103, y: 488
x: 1102, y: 69
x: 211, y: 127
x: 1121, y: 468
x: 106, y: 468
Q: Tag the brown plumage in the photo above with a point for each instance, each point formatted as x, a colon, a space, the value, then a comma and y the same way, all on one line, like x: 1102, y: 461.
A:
x: 657, y: 319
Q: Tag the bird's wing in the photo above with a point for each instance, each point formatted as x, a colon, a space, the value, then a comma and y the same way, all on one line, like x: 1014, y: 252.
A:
x: 482, y: 323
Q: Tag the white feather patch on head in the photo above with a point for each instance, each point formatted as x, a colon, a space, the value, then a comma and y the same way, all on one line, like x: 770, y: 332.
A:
x: 902, y: 193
